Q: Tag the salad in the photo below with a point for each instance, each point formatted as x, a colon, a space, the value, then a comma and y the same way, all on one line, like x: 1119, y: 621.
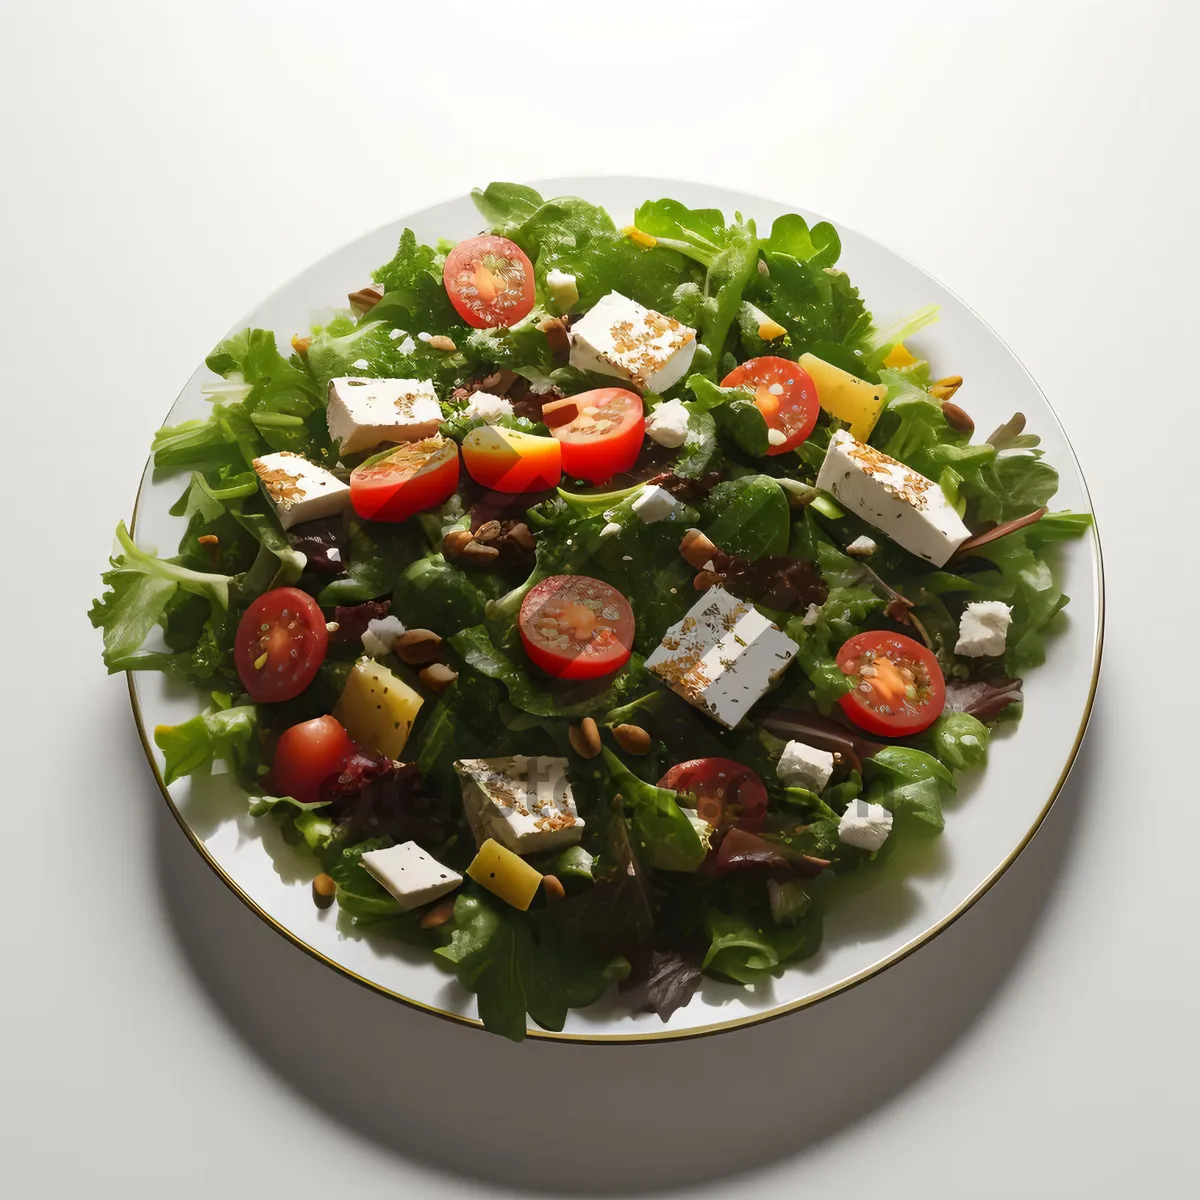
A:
x: 588, y: 600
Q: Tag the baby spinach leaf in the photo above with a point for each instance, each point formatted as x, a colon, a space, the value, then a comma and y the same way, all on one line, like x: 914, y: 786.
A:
x: 959, y: 740
x: 506, y: 206
x: 911, y: 784
x: 748, y: 516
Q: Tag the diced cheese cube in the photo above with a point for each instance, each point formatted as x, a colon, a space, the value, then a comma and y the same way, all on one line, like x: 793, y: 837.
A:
x: 723, y: 656
x: 524, y: 802
x: 364, y: 413
x: 910, y: 509
x: 619, y: 337
x: 802, y: 765
x: 845, y: 396
x: 377, y: 708
x: 563, y: 288
x: 865, y: 825
x: 983, y: 629
x: 299, y: 490
x: 499, y: 870
x: 483, y: 406
x: 380, y: 635
x: 411, y: 875
x: 654, y: 503
x: 668, y: 424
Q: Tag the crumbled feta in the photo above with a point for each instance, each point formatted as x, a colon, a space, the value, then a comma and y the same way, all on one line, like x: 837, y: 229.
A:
x: 395, y: 334
x: 363, y: 413
x: 563, y: 288
x: 983, y: 629
x: 861, y: 547
x: 299, y: 490
x: 361, y: 365
x: 610, y: 530
x: 912, y: 510
x: 811, y: 615
x: 380, y: 636
x: 802, y: 765
x: 668, y: 424
x: 411, y: 875
x: 620, y: 337
x: 407, y: 346
x: 484, y: 406
x: 722, y: 656
x: 524, y: 803
x: 865, y: 825
x: 655, y: 503
x: 776, y: 437
x: 425, y: 337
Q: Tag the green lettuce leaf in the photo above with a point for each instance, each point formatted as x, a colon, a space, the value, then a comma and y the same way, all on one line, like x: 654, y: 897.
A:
x: 748, y: 516
x: 910, y: 784
x: 220, y: 734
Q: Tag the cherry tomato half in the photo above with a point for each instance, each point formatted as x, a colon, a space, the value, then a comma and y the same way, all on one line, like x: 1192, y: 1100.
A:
x: 280, y: 643
x: 576, y: 627
x: 407, y: 480
x: 899, y: 687
x: 605, y: 437
x: 727, y: 793
x: 306, y: 755
x: 507, y: 460
x: 785, y: 395
x: 489, y: 281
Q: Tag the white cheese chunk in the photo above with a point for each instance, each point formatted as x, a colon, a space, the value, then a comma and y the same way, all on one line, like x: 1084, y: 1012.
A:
x: 299, y: 490
x: 910, y: 509
x: 563, y: 288
x: 619, y: 337
x: 983, y: 629
x: 364, y: 413
x: 411, y: 875
x: 668, y: 424
x: 723, y: 656
x: 380, y: 636
x: 484, y: 406
x: 524, y: 802
x: 811, y: 615
x: 610, y: 530
x: 862, y: 547
x: 654, y: 503
x: 865, y: 825
x: 802, y: 765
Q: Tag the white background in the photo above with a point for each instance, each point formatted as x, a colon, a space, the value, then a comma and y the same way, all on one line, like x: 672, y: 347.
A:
x: 166, y: 165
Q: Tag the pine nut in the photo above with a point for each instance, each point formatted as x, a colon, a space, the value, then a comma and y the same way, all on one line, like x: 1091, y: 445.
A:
x: 697, y: 548
x: 633, y: 739
x: 585, y: 738
x: 418, y: 646
x: 438, y: 914
x: 438, y: 676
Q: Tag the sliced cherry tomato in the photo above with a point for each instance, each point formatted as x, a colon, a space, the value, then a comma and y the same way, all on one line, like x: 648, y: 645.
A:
x: 576, y: 627
x: 605, y: 436
x: 306, y: 755
x: 507, y: 460
x: 727, y: 793
x: 281, y: 641
x: 785, y: 395
x: 407, y: 480
x: 489, y: 281
x: 899, y: 687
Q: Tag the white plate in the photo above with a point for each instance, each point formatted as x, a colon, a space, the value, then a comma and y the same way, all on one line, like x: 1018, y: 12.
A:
x: 874, y: 920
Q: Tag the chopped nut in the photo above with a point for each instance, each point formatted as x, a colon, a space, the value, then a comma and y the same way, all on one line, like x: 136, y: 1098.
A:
x: 489, y: 531
x: 945, y: 388
x: 499, y: 382
x: 553, y: 888
x: 365, y: 299
x: 477, y: 554
x: 332, y: 626
x: 957, y: 418
x: 456, y: 541
x: 521, y: 535
x: 705, y: 579
x: 440, y: 341
x: 323, y: 890
x: 301, y: 344
x: 633, y: 739
x: 559, y: 412
x: 208, y: 539
x: 557, y: 337
x: 438, y: 676
x: 418, y: 646
x: 585, y: 738
x: 437, y: 914
x: 697, y: 548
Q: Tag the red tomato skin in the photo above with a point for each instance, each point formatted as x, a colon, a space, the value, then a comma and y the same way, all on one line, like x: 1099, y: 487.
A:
x: 713, y: 803
x: 860, y: 710
x: 800, y: 395
x: 267, y: 684
x: 306, y: 755
x: 377, y: 500
x: 513, y: 304
x: 596, y: 458
x: 583, y: 665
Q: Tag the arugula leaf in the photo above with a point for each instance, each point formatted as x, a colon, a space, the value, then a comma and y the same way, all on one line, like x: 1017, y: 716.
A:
x: 748, y: 517
x: 195, y: 745
x: 909, y: 783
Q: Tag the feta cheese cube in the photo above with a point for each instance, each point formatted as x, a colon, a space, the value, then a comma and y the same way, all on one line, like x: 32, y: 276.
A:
x: 563, y: 288
x: 654, y: 503
x: 483, y: 406
x: 668, y: 424
x: 411, y: 875
x: 524, y: 803
x: 910, y: 509
x: 862, y: 547
x: 380, y: 636
x: 619, y: 337
x: 983, y: 629
x: 865, y: 825
x: 364, y: 413
x: 299, y: 490
x: 723, y: 656
x: 802, y: 765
